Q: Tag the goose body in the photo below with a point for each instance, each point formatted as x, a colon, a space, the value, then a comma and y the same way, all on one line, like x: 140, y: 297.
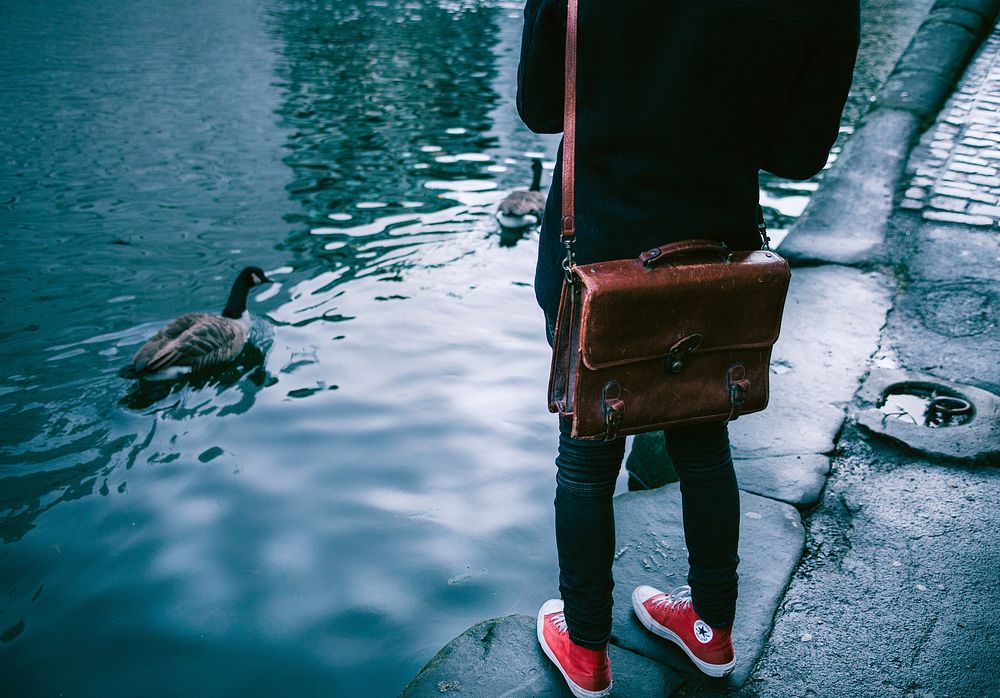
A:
x: 522, y: 209
x: 196, y: 342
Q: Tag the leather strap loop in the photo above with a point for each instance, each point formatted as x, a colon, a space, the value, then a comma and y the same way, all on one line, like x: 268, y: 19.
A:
x: 614, y: 407
x: 569, y: 125
x: 659, y: 254
x: 739, y: 387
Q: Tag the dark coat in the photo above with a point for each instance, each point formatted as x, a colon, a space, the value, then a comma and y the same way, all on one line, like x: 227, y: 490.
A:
x: 679, y: 104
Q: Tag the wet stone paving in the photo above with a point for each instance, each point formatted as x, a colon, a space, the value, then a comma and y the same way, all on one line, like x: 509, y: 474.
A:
x: 955, y: 170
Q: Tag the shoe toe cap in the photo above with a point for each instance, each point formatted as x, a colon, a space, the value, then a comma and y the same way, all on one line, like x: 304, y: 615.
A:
x: 644, y: 593
x: 551, y: 606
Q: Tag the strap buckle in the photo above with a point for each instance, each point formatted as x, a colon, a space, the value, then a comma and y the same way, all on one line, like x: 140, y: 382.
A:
x: 739, y: 387
x: 569, y: 261
x: 762, y: 229
x: 614, y: 408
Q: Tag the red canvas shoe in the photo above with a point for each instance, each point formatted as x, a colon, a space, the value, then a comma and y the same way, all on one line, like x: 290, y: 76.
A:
x: 587, y: 672
x: 672, y: 617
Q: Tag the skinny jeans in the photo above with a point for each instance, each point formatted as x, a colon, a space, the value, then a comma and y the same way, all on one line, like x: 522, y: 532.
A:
x: 585, y: 525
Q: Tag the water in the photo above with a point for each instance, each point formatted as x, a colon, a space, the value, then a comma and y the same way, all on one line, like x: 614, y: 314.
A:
x: 373, y: 475
x: 926, y: 405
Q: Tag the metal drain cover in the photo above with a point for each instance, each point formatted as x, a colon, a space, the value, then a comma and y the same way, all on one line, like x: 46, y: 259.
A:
x: 927, y: 405
x: 932, y: 415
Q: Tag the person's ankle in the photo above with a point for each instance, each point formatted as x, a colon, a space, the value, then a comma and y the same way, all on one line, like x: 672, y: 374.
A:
x: 599, y: 646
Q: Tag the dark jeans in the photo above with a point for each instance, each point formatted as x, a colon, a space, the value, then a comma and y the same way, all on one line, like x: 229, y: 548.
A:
x: 585, y: 525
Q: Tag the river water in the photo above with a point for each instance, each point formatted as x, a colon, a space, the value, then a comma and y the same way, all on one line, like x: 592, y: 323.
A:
x: 374, y: 474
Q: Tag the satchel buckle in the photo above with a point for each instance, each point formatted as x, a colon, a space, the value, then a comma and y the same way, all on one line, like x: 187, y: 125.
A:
x: 614, y: 408
x: 739, y: 387
x: 679, y: 354
x: 569, y: 261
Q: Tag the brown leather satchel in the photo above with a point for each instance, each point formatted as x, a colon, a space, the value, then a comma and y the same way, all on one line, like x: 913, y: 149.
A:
x: 679, y: 335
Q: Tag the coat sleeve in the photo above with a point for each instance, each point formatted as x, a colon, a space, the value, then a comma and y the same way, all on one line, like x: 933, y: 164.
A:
x: 541, y: 70
x: 811, y: 121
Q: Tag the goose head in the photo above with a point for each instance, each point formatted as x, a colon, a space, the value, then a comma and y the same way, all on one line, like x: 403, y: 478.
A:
x: 254, y: 276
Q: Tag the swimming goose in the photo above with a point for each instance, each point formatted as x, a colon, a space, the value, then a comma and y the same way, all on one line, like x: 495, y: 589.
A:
x: 524, y: 208
x: 197, y: 341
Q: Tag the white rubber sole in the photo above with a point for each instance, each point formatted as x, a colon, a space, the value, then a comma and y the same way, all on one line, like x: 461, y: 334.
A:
x: 715, y: 670
x: 574, y: 688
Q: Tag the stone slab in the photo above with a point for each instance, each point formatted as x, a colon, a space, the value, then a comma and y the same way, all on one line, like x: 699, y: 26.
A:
x: 948, y: 253
x: 897, y: 597
x: 987, y: 8
x: 967, y: 18
x: 833, y: 317
x: 950, y: 330
x: 845, y: 221
x: 921, y: 91
x: 796, y: 480
x: 501, y: 657
x: 650, y: 544
x: 925, y: 74
x: 648, y: 464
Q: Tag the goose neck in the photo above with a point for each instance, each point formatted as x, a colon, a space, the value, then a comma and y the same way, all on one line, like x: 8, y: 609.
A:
x: 536, y: 179
x: 237, y: 303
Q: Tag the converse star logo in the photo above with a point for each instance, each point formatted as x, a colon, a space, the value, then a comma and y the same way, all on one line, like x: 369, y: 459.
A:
x: 703, y: 631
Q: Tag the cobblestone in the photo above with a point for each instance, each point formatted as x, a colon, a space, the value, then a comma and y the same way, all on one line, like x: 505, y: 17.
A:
x: 947, y: 203
x: 981, y: 210
x: 962, y: 193
x: 962, y: 218
x: 955, y: 170
x: 993, y: 182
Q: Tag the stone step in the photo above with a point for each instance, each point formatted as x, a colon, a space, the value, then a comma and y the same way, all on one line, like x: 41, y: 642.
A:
x: 651, y: 551
x: 501, y: 657
x: 833, y: 317
x: 796, y: 480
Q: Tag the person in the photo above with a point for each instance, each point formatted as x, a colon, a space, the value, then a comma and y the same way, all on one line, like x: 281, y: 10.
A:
x: 680, y: 103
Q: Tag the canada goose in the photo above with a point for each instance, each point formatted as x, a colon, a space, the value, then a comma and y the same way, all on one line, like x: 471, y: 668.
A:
x: 524, y: 208
x: 197, y: 341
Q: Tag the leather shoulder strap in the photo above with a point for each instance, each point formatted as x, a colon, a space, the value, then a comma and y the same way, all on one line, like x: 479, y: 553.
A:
x: 569, y: 125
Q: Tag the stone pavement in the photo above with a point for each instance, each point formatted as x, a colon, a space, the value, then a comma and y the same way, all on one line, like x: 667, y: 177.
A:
x: 946, y: 322
x: 956, y: 167
x: 847, y: 219
x: 898, y: 592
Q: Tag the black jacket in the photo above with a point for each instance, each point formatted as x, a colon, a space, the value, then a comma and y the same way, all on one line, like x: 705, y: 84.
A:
x: 679, y: 104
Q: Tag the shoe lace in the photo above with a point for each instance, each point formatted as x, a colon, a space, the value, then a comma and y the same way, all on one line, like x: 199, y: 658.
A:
x: 678, y: 598
x: 559, y: 621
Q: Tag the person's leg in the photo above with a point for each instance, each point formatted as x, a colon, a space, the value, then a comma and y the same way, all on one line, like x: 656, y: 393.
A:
x: 585, y: 533
x: 711, y: 506
x: 573, y: 631
x: 698, y: 618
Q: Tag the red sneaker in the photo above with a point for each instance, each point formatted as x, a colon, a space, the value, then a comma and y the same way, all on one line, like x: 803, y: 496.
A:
x: 672, y: 617
x: 587, y: 672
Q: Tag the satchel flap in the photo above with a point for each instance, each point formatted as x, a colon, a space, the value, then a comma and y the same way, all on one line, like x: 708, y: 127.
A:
x: 632, y: 313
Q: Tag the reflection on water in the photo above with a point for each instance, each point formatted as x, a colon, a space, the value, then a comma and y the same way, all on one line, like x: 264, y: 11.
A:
x: 321, y: 515
x: 379, y: 99
x: 373, y: 474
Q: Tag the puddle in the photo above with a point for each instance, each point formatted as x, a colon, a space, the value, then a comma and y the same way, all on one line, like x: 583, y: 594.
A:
x: 926, y: 405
